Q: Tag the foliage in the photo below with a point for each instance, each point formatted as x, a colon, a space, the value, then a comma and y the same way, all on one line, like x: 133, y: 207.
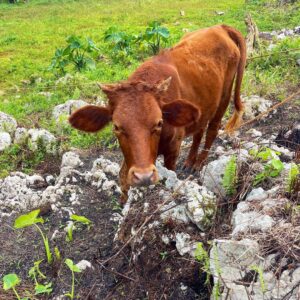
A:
x: 10, y: 281
x: 32, y: 219
x: 71, y: 225
x: 156, y: 36
x: 74, y: 53
x: 34, y: 273
x: 292, y: 178
x: 74, y: 269
x: 119, y: 40
x: 202, y: 256
x: 272, y: 164
x: 230, y: 176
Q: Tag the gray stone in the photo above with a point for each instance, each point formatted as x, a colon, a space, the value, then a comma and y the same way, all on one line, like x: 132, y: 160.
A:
x: 212, y: 175
x: 62, y: 111
x: 71, y: 159
x: 184, y: 244
x: 254, y: 105
x: 47, y: 139
x: 5, y: 140
x: 7, y: 123
x: 257, y: 194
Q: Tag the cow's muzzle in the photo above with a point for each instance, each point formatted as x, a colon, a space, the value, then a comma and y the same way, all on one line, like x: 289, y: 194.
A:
x: 142, y: 176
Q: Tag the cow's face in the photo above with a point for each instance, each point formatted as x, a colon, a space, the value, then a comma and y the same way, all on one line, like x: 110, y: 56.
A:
x: 138, y: 115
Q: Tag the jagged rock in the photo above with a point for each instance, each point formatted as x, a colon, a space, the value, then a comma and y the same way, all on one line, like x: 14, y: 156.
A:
x: 35, y: 181
x: 84, y: 264
x: 47, y: 140
x: 213, y: 175
x: 184, y: 244
x: 258, y: 194
x: 230, y: 262
x: 66, y: 109
x: 254, y: 105
x: 7, y: 123
x: 71, y: 159
x: 106, y: 165
x: 21, y: 136
x: 245, y: 221
x: 254, y: 133
x: 5, y: 140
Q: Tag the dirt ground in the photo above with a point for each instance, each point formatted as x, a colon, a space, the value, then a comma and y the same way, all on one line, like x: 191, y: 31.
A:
x: 153, y: 276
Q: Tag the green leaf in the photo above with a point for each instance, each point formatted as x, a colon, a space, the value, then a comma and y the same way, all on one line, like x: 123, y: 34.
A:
x: 28, y: 219
x: 81, y: 219
x: 10, y: 281
x: 43, y: 289
x: 71, y: 265
x: 277, y: 164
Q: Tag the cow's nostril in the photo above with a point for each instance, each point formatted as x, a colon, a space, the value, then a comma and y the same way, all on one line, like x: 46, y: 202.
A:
x: 143, y: 178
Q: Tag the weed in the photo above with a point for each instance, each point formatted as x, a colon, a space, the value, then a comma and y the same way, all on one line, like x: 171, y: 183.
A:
x: 230, y: 176
x: 34, y: 273
x: 10, y: 281
x: 74, y: 269
x: 32, y: 219
x: 156, y: 36
x: 74, y: 53
x: 202, y: 256
x: 71, y: 225
x: 292, y: 178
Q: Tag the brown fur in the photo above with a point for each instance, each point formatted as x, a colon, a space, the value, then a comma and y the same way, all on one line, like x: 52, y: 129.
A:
x: 188, y: 87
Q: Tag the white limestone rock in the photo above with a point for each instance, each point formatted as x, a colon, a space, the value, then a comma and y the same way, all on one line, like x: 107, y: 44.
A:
x: 257, y: 194
x: 5, y: 140
x: 71, y: 159
x: 254, y: 105
x: 184, y: 244
x: 106, y: 166
x: 7, y: 123
x: 62, y: 111
x: 42, y: 136
x: 212, y: 175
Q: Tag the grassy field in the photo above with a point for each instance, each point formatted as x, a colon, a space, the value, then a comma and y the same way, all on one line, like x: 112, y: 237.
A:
x: 31, y: 32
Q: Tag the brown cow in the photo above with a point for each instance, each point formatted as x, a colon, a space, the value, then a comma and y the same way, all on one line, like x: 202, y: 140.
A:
x: 182, y: 91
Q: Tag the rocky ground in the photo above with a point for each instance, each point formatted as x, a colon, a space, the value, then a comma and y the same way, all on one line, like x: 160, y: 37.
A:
x: 150, y: 248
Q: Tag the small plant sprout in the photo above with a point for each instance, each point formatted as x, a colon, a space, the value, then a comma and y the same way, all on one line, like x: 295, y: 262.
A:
x: 163, y: 255
x: 292, y: 178
x: 230, y: 176
x: 10, y: 281
x: 71, y: 225
x: 34, y: 273
x: 32, y: 219
x: 202, y: 256
x: 74, y: 269
x: 259, y: 271
x: 57, y: 253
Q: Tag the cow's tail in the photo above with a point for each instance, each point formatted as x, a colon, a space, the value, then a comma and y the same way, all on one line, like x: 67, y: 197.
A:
x: 236, y: 119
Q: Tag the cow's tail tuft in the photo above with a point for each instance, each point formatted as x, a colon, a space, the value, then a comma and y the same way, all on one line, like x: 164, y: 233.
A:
x: 236, y: 120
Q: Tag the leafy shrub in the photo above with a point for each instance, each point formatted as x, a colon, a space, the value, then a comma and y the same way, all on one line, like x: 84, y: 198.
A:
x: 156, y: 36
x: 119, y: 40
x: 74, y: 53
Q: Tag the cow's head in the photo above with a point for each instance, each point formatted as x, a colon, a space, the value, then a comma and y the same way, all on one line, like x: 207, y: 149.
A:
x: 138, y: 114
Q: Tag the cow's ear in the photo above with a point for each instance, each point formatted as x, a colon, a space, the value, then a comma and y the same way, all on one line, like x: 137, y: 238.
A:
x: 180, y: 113
x: 90, y: 118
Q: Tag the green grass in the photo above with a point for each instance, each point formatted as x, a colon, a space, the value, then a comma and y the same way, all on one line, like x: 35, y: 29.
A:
x: 30, y: 33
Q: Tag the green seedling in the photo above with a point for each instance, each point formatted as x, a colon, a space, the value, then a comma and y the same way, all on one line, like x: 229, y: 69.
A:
x: 34, y: 273
x: 32, y: 219
x: 57, y: 253
x: 71, y: 225
x: 163, y: 255
x: 10, y: 281
x: 74, y: 269
x: 292, y: 178
x: 202, y: 256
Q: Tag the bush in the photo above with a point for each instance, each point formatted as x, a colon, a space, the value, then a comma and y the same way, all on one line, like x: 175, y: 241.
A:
x: 74, y: 53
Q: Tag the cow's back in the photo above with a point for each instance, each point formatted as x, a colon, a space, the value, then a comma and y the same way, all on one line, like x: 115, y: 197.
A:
x: 205, y: 60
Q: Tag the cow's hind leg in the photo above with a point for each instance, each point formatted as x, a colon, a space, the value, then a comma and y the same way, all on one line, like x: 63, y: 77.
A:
x: 192, y: 156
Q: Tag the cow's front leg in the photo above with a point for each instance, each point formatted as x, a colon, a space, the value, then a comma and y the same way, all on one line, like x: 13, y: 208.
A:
x: 192, y: 156
x: 123, y: 183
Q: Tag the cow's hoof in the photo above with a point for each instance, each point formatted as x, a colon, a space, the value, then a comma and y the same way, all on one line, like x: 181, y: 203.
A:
x: 186, y: 169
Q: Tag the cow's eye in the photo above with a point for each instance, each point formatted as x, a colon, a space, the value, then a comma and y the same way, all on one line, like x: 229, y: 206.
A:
x: 160, y: 124
x: 116, y: 128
